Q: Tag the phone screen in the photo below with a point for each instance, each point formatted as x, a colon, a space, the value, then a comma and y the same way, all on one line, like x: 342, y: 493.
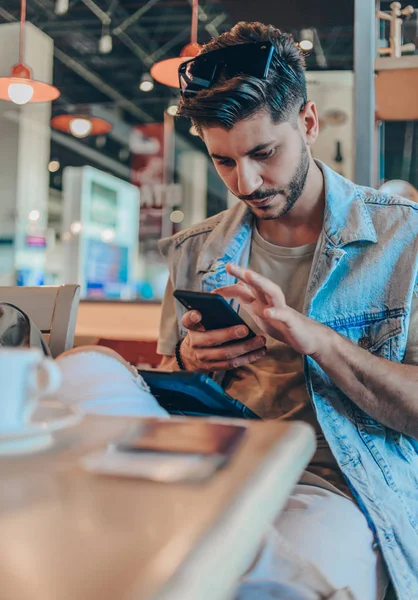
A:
x: 191, y: 436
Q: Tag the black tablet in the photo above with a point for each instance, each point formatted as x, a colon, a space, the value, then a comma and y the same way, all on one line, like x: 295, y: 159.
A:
x: 193, y: 394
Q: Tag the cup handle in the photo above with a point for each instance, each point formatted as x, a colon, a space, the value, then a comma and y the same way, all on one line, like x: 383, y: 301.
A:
x: 49, y: 377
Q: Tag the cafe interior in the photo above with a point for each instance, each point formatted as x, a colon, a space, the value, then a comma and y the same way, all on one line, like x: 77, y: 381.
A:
x: 127, y: 474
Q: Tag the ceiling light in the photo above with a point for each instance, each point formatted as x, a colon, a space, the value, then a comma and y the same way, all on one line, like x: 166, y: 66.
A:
x: 147, y: 83
x: 20, y: 93
x: 177, y: 216
x: 146, y: 86
x: 166, y: 71
x: 80, y: 125
x: 105, y: 44
x: 19, y: 87
x: 123, y: 154
x: 101, y: 141
x: 76, y: 227
x: 53, y: 166
x: 306, y: 45
x: 34, y: 215
x: 172, y: 109
x: 108, y: 235
x: 61, y: 7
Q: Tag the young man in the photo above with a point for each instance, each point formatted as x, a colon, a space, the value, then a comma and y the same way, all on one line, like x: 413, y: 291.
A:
x: 337, y: 266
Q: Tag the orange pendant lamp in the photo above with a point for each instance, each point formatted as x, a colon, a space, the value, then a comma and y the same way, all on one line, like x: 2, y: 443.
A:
x: 20, y: 88
x: 81, y: 125
x: 166, y: 71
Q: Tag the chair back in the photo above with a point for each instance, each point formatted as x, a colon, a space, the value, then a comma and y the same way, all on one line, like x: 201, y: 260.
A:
x: 53, y: 309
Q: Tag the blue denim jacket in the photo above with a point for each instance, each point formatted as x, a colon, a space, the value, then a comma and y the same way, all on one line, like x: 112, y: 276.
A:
x: 362, y: 281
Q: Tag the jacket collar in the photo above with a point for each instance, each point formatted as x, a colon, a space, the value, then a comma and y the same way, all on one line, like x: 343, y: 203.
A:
x: 227, y: 238
x: 346, y: 217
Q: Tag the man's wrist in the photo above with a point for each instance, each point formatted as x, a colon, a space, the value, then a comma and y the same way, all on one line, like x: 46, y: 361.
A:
x: 327, y: 347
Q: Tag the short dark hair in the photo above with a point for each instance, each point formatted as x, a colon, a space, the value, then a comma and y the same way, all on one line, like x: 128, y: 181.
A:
x: 282, y: 93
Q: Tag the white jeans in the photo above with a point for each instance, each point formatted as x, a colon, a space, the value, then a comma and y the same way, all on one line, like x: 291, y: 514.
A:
x: 320, y: 547
x: 97, y: 380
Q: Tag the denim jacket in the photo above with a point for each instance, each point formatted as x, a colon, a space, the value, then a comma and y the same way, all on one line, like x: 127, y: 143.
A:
x: 362, y: 281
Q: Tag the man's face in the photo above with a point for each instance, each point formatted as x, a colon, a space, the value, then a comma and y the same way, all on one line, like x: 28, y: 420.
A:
x: 263, y: 164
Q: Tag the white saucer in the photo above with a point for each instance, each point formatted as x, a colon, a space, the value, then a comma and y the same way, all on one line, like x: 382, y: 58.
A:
x: 36, y: 435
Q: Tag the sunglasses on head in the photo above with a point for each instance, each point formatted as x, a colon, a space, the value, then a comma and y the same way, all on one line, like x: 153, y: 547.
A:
x: 202, y: 72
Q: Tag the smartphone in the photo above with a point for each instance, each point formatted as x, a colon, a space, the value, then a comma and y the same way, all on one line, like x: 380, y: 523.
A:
x: 216, y: 312
x: 168, y: 450
x: 188, y: 436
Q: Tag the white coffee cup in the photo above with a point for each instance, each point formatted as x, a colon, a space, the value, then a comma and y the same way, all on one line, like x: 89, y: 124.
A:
x: 25, y: 376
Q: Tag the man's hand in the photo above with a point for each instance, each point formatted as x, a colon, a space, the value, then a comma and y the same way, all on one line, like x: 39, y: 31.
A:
x: 383, y: 389
x: 202, y: 350
x: 265, y: 302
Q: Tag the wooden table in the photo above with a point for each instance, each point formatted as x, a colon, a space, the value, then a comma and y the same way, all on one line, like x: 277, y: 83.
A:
x: 69, y: 535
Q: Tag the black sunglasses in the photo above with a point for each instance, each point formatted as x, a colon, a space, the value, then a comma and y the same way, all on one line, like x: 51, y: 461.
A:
x: 202, y: 72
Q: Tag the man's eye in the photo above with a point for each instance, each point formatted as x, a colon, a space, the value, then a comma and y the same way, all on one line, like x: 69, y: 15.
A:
x: 265, y: 155
x: 227, y: 163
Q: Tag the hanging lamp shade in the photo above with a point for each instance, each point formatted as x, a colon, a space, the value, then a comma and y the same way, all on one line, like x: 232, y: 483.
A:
x: 166, y: 71
x: 80, y: 125
x: 19, y: 87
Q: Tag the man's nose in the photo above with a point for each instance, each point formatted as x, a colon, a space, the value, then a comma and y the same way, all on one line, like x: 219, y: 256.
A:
x: 248, y: 180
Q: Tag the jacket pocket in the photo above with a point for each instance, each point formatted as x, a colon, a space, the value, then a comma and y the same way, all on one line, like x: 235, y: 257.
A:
x: 406, y: 446
x: 384, y: 337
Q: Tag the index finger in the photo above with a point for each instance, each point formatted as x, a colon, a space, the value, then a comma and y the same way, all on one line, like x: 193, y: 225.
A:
x: 259, y: 283
x: 237, y: 290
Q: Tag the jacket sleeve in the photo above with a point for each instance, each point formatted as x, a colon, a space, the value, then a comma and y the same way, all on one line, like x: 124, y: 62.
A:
x: 169, y: 330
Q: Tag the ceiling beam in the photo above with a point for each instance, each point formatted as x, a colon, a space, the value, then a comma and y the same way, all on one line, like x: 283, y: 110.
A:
x: 94, y: 80
x: 103, y: 87
x: 170, y: 44
x: 134, y: 17
x: 97, y: 157
x: 96, y: 10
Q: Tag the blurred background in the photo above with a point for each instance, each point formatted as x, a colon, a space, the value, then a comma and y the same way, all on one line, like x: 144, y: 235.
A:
x: 90, y: 181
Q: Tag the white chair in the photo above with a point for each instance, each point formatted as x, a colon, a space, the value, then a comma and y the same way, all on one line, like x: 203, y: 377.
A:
x: 53, y: 309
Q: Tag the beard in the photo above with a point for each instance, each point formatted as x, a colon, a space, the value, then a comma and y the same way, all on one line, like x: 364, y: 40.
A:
x: 291, y: 193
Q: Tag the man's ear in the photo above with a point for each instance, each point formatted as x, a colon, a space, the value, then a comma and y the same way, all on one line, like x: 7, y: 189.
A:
x: 309, y: 122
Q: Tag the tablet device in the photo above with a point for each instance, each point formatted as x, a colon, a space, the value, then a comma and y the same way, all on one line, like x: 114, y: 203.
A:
x: 194, y: 394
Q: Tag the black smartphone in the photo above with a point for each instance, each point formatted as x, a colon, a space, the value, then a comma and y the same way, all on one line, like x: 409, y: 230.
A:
x: 215, y: 310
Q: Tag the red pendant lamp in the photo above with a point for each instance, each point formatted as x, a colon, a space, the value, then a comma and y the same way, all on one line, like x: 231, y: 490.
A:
x: 166, y: 71
x: 19, y: 87
x: 81, y: 125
